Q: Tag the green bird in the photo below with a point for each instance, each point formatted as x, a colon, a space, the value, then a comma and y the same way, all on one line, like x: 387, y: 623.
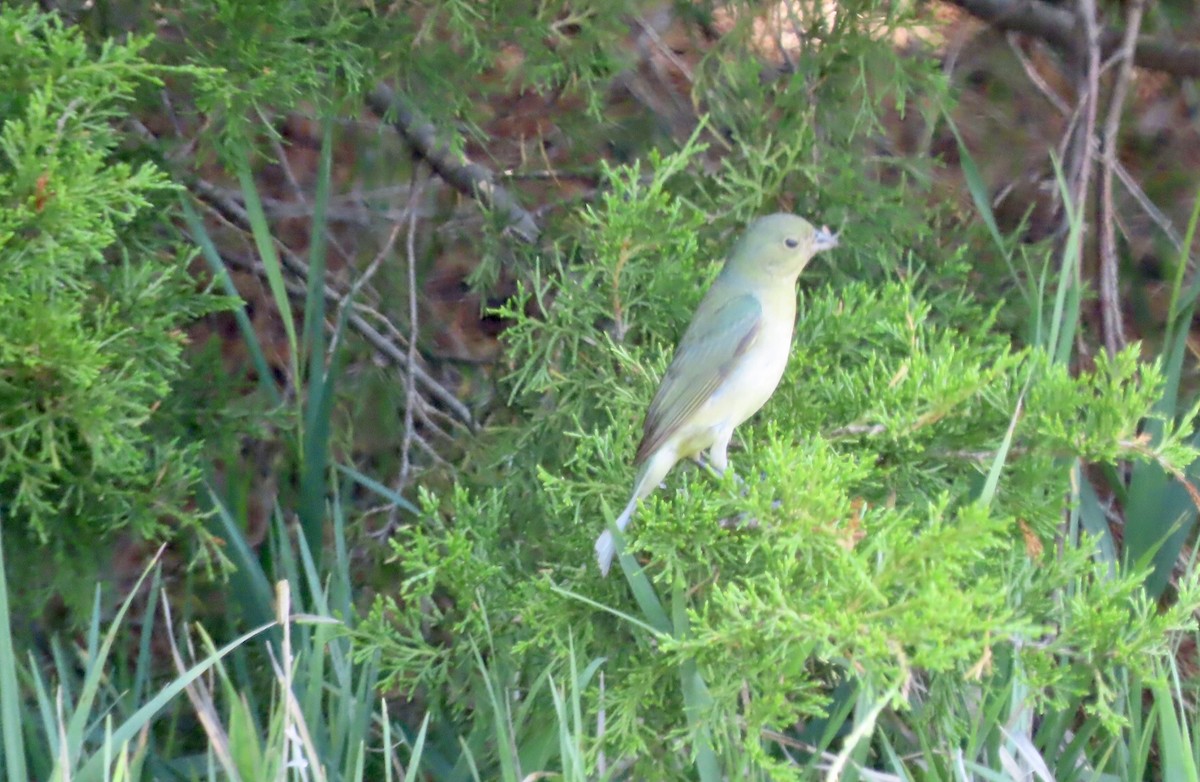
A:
x: 730, y: 359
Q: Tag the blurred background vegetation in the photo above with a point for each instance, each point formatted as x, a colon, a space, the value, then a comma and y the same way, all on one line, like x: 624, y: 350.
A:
x: 326, y: 331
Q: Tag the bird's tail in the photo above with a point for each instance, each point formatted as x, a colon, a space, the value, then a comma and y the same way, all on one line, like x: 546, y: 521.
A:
x: 606, y: 545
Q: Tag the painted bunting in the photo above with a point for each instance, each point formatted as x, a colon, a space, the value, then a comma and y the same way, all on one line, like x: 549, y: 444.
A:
x: 730, y: 358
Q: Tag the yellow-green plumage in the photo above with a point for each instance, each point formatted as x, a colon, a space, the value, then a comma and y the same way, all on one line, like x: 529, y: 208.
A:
x: 730, y: 358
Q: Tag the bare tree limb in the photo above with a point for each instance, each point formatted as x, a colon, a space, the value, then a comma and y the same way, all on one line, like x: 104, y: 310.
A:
x: 1110, y: 302
x: 410, y: 376
x: 464, y: 175
x: 1057, y: 27
x: 293, y: 182
x: 388, y: 348
x: 1134, y: 190
x: 1080, y: 141
x: 294, y: 264
x: 1087, y: 56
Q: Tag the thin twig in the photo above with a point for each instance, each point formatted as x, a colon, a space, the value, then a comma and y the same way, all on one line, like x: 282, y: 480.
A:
x: 200, y: 698
x: 349, y: 208
x: 1031, y: 73
x: 351, y: 297
x: 220, y: 203
x: 185, y: 151
x: 390, y: 332
x: 298, y: 292
x: 1088, y: 50
x: 780, y: 9
x: 383, y: 344
x: 1130, y: 184
x: 294, y: 183
x: 666, y: 51
x: 855, y: 430
x: 1110, y: 303
x: 284, y: 164
x: 224, y: 206
x: 647, y: 82
x: 785, y: 741
x: 1161, y: 220
x: 589, y: 174
x: 410, y: 377
x: 394, y: 353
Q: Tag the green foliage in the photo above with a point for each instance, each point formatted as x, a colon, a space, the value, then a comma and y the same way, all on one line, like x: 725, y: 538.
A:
x: 282, y: 55
x: 92, y: 299
x: 562, y: 45
x: 274, y: 55
x: 858, y: 551
x: 908, y: 569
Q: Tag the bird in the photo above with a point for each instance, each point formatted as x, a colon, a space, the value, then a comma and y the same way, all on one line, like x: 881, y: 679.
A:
x: 729, y: 360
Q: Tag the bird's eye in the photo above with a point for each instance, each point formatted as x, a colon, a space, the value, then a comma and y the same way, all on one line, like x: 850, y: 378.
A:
x: 792, y: 243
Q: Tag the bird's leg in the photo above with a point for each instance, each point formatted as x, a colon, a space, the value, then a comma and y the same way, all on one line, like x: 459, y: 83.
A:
x: 718, y: 457
x: 705, y: 463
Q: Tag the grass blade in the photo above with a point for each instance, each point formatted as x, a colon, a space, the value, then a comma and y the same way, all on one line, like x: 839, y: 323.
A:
x: 265, y: 243
x: 128, y: 730
x: 697, y: 703
x: 318, y: 399
x: 217, y: 266
x: 10, y: 698
x: 1156, y: 502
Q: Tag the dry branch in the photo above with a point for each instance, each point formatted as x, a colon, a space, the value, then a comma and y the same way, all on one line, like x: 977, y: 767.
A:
x: 1057, y: 27
x: 236, y: 215
x: 1110, y: 304
x: 464, y: 175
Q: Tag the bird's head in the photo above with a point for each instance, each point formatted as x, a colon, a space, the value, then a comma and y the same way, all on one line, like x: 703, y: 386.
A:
x: 778, y: 247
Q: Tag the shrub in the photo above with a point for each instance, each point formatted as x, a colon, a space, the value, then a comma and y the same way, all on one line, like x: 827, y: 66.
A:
x: 93, y: 297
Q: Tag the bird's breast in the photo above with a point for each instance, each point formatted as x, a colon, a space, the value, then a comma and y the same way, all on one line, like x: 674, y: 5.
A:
x: 756, y: 374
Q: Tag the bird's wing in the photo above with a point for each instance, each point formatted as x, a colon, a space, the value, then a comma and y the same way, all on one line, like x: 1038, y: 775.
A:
x: 706, y: 355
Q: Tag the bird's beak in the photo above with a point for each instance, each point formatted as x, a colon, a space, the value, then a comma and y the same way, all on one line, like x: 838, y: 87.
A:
x: 824, y: 239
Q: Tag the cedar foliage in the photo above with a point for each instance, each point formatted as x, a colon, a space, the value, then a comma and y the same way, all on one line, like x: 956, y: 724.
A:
x: 94, y: 296
x: 909, y: 535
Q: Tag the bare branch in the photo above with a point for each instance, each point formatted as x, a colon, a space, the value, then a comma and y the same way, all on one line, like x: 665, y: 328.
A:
x: 1110, y: 303
x: 1031, y: 73
x: 410, y: 376
x: 1079, y: 156
x: 350, y: 300
x: 464, y: 175
x: 237, y: 216
x: 1131, y: 186
x: 1057, y: 27
x: 293, y: 183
